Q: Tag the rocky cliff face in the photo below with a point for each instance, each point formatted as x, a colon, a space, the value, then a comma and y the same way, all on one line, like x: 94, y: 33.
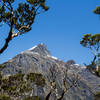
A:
x: 58, y: 76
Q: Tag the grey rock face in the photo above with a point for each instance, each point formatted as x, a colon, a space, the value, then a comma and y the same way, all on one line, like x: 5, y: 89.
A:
x: 39, y: 60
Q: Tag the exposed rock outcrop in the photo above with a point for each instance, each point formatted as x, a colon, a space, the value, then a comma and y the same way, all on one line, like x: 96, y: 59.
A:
x: 55, y: 72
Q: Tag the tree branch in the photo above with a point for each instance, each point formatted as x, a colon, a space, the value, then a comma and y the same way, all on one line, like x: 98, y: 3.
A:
x: 95, y: 55
x: 18, y: 33
x: 92, y: 51
x: 5, y: 5
x: 7, y: 40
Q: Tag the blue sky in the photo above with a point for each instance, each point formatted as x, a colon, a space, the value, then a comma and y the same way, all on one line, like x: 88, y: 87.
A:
x: 61, y: 29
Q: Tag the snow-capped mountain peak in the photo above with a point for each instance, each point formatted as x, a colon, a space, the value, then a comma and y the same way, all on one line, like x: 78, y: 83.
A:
x: 40, y: 48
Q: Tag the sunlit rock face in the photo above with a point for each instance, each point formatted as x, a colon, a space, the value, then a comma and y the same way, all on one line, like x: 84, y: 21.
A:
x: 38, y: 60
x: 40, y: 49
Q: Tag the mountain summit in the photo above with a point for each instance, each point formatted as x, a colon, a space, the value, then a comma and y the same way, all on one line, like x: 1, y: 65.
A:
x: 47, y: 75
x: 41, y: 49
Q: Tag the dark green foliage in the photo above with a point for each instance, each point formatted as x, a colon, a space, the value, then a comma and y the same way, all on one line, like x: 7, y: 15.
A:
x: 19, y: 18
x: 97, y: 10
x: 93, y: 43
x: 38, y: 2
x: 23, y: 15
x: 36, y: 78
x: 0, y: 76
x: 4, y: 97
x: 32, y: 98
x: 15, y: 85
x: 12, y: 83
x: 97, y: 96
x: 16, y: 78
x: 90, y: 40
x: 19, y: 84
x: 1, y: 66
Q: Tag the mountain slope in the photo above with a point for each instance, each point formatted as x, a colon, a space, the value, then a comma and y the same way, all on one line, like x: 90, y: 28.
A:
x: 55, y: 72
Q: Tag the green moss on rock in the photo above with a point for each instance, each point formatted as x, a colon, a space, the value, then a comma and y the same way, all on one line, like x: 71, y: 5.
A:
x: 17, y: 77
x: 24, y: 87
x: 4, y: 97
x: 19, y: 84
x: 38, y: 79
x: 1, y: 66
x: 32, y: 98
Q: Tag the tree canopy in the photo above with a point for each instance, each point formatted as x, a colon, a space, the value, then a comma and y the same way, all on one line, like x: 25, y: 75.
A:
x: 19, y: 19
x: 92, y: 41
